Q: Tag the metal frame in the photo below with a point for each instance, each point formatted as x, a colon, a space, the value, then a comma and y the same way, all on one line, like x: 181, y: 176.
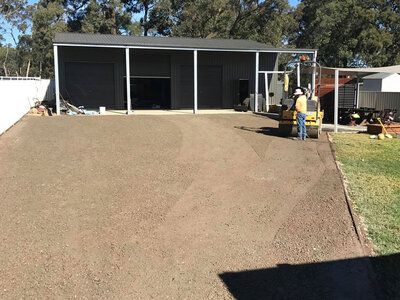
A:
x: 313, y: 75
x: 256, y: 82
x: 358, y: 93
x: 195, y: 81
x: 266, y: 73
x: 56, y: 79
x: 297, y: 68
x: 314, y: 54
x: 128, y: 83
x: 336, y: 102
x: 298, y: 74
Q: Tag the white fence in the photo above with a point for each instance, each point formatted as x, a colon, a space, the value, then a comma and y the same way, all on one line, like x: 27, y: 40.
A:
x: 18, y: 95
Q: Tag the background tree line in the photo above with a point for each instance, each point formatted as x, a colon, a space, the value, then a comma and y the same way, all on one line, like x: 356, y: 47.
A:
x: 345, y: 32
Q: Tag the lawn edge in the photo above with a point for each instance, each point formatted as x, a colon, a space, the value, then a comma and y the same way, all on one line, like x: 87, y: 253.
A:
x: 359, y: 227
x: 377, y: 273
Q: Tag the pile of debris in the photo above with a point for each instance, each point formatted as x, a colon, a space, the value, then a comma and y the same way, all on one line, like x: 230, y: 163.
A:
x: 71, y: 109
x: 48, y: 108
x: 43, y: 108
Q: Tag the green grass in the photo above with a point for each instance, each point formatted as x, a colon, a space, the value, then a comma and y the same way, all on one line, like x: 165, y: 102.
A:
x: 372, y: 172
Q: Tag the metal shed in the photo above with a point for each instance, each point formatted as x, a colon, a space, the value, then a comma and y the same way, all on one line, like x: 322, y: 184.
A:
x: 132, y: 72
x: 382, y: 82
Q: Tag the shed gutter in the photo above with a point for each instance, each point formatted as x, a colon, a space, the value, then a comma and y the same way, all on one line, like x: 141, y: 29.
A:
x: 277, y: 50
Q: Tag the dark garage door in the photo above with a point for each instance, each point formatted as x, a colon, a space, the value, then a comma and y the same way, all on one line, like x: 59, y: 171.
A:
x: 90, y: 84
x: 209, y: 87
x: 150, y: 93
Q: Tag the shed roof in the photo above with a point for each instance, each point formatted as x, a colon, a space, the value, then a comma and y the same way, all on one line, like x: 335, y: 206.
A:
x: 362, y: 72
x: 381, y: 75
x: 82, y: 39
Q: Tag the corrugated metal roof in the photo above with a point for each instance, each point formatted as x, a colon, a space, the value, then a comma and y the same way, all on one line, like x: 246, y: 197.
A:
x: 361, y: 72
x: 380, y: 76
x: 162, y: 42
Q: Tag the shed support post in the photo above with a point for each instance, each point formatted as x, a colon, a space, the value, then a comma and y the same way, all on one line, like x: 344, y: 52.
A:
x: 358, y: 93
x: 266, y: 93
x: 128, y: 82
x: 298, y: 75
x: 313, y: 74
x: 195, y: 81
x: 336, y: 104
x: 256, y: 82
x: 56, y: 80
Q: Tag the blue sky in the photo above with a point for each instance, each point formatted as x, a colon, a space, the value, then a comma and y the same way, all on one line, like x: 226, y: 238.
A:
x: 8, y: 38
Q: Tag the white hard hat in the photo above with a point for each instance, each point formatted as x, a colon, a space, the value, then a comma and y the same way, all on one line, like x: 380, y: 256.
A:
x: 298, y: 91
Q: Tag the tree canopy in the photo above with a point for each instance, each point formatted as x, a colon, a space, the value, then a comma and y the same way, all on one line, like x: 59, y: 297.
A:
x: 348, y: 32
x: 345, y: 32
x: 267, y: 21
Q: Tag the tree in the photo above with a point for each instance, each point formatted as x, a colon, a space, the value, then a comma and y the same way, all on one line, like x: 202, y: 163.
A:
x: 94, y: 16
x: 105, y: 16
x: 48, y: 18
x: 137, y: 6
x: 15, y: 16
x: 389, y: 19
x: 75, y: 11
x: 345, y: 32
x: 269, y: 21
x: 24, y: 55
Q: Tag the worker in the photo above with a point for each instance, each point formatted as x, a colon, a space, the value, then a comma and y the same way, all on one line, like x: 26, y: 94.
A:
x: 301, y: 109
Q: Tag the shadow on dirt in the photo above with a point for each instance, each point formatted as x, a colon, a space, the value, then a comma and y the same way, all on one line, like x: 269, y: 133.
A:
x: 341, y: 279
x: 266, y: 115
x: 272, y: 131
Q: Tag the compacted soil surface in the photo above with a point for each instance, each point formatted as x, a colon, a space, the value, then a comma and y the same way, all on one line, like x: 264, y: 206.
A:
x: 178, y: 207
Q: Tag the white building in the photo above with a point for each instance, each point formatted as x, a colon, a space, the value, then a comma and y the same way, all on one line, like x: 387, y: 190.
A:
x: 382, y: 82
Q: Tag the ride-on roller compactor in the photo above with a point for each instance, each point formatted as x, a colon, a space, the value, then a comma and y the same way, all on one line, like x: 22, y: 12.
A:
x: 314, y: 116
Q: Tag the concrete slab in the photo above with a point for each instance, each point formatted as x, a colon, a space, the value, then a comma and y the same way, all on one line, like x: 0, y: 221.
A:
x: 155, y: 112
x: 344, y: 128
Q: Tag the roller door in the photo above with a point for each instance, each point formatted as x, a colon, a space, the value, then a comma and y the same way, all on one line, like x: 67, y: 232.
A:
x: 90, y: 84
x: 209, y: 87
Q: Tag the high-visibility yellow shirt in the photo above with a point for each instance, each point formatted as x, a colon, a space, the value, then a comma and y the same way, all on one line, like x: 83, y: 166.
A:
x: 301, y: 104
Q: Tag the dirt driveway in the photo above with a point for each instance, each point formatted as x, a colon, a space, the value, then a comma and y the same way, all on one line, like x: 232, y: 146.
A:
x: 179, y: 207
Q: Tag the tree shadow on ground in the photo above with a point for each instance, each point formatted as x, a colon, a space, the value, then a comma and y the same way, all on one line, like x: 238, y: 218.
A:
x: 358, y: 278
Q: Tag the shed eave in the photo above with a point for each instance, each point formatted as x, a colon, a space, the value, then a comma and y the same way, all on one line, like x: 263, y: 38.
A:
x: 272, y: 50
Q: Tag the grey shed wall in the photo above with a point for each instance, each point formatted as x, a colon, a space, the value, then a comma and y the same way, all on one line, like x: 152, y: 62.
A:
x: 373, y: 85
x: 178, y: 65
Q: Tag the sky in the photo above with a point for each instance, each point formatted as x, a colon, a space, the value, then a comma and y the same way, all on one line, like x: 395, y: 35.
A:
x: 8, y: 38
